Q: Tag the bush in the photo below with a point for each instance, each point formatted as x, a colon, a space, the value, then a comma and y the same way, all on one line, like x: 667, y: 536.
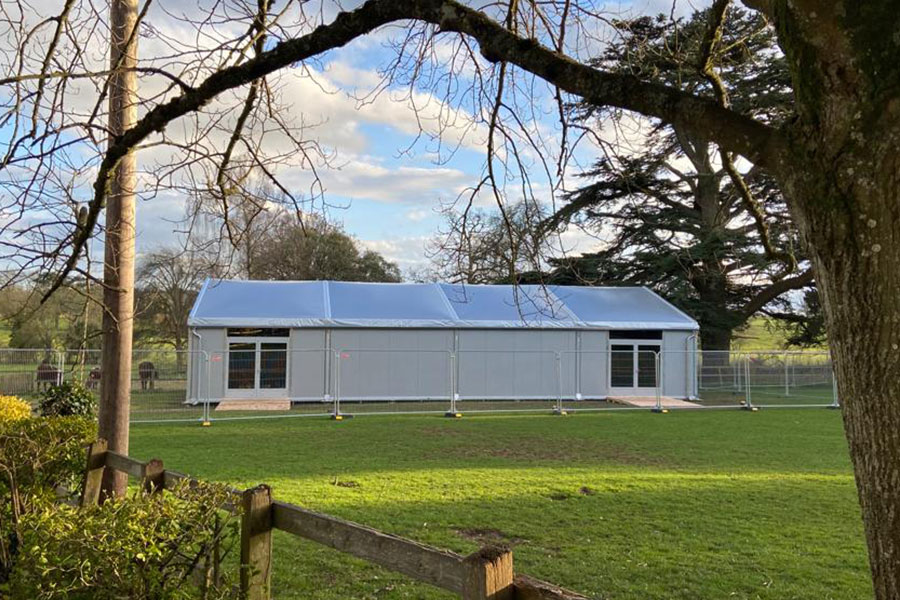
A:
x: 142, y: 547
x: 37, y: 456
x: 68, y: 399
x: 13, y: 409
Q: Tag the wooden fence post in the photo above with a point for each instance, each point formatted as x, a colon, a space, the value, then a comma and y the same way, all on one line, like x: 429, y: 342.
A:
x: 256, y: 543
x: 153, y: 477
x: 489, y: 575
x: 93, y: 473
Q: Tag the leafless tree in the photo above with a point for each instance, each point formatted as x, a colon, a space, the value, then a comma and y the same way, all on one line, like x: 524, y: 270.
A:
x: 209, y: 101
x: 487, y: 246
x: 168, y: 280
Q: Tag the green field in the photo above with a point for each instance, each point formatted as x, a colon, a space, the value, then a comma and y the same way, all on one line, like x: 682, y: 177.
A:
x: 617, y: 505
x: 762, y: 333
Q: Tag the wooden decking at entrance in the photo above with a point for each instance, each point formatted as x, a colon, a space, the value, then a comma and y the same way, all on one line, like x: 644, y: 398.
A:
x: 280, y: 404
x: 650, y: 401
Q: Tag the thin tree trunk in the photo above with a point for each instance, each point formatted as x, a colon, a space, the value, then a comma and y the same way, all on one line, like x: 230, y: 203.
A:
x: 715, y: 343
x: 180, y: 357
x: 118, y: 268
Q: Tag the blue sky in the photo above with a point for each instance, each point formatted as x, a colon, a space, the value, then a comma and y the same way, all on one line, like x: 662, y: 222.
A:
x: 382, y: 188
x: 388, y: 197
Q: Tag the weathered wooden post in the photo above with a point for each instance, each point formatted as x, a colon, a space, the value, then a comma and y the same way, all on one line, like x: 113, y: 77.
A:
x: 93, y: 473
x: 153, y: 476
x: 256, y: 543
x: 489, y: 575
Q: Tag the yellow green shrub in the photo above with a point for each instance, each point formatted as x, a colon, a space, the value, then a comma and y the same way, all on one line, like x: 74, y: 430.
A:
x: 13, y: 409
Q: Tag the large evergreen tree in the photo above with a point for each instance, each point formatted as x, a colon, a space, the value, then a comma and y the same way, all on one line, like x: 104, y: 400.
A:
x: 678, y: 215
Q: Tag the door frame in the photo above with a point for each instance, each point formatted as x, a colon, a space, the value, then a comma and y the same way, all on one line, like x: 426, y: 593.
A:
x: 256, y: 391
x: 635, y: 390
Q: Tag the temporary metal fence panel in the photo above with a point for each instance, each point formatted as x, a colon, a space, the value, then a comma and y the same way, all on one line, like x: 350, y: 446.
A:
x: 159, y: 386
x: 620, y: 378
x: 522, y: 380
x: 791, y: 379
x: 263, y: 379
x: 396, y: 380
x: 721, y: 378
x: 321, y: 381
x: 25, y: 372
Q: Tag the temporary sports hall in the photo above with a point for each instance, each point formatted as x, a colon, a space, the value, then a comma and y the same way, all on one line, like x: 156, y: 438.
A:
x: 308, y: 341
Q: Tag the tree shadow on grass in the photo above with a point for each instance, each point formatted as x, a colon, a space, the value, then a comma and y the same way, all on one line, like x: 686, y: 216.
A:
x: 721, y: 539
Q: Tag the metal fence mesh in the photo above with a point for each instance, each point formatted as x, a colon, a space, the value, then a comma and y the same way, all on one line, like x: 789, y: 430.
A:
x: 377, y: 381
x: 766, y: 379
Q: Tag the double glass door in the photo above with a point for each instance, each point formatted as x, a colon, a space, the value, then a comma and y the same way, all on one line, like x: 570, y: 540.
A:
x: 257, y: 368
x: 633, y: 368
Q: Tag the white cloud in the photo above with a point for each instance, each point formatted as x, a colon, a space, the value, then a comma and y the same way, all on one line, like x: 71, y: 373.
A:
x: 417, y: 214
x: 361, y: 177
x: 405, y: 251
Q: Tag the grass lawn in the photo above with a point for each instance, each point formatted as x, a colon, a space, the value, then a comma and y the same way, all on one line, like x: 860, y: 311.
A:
x: 761, y: 333
x: 713, y: 504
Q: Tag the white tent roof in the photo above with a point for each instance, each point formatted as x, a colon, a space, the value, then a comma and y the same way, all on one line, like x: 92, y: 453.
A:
x: 234, y: 303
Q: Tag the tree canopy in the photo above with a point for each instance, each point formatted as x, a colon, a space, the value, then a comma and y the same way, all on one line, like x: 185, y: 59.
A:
x: 315, y: 249
x: 675, y: 213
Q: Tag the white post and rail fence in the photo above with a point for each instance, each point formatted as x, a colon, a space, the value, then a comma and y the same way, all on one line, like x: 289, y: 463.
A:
x: 485, y: 574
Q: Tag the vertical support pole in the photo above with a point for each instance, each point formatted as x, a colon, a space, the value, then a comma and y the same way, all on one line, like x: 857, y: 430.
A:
x: 454, y: 395
x: 336, y: 413
x: 453, y: 385
x: 93, y: 473
x: 337, y: 393
x: 559, y: 407
x: 577, y: 366
x: 61, y: 376
x: 835, y: 401
x: 489, y: 575
x: 256, y: 543
x: 207, y: 359
x: 748, y: 399
x: 656, y: 386
x: 787, y: 374
x: 153, y: 476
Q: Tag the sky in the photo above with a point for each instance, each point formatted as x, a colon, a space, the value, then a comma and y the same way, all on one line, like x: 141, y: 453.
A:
x: 385, y: 187
x: 386, y: 181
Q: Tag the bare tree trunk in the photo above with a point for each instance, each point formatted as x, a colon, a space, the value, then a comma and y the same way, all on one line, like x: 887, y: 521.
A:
x: 180, y: 357
x: 862, y: 292
x: 118, y: 268
x: 715, y: 343
x: 850, y: 211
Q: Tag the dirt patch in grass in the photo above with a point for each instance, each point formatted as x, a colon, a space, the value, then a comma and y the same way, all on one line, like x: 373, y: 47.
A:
x: 346, y: 484
x: 489, y: 537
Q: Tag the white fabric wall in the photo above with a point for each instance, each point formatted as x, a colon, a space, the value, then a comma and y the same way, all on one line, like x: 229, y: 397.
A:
x: 393, y: 364
x: 594, y: 367
x: 415, y: 363
x: 308, y: 364
x: 503, y: 363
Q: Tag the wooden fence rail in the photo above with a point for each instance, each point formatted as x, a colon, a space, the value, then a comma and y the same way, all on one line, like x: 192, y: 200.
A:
x: 486, y: 574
